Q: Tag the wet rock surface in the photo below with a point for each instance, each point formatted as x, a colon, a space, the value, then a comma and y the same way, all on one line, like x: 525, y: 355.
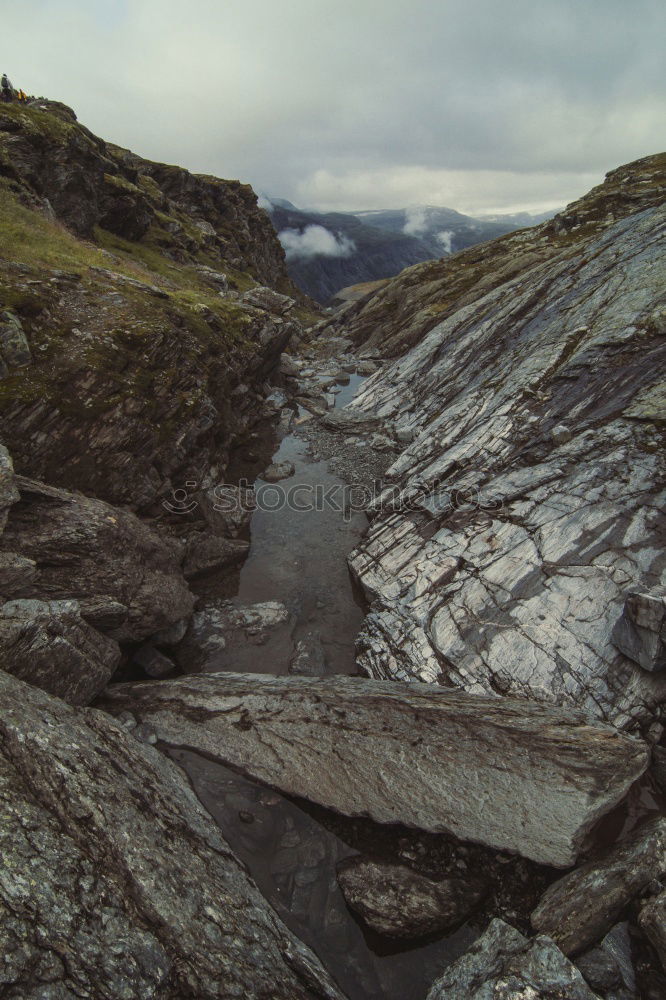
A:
x: 504, y: 965
x: 115, y: 881
x: 309, y: 659
x: 277, y: 471
x: 510, y: 774
x: 228, y: 634
x: 396, y: 901
x: 582, y: 906
x: 292, y: 853
x: 499, y: 558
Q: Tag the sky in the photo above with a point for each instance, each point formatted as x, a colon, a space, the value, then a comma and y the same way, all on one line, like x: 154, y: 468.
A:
x: 484, y: 106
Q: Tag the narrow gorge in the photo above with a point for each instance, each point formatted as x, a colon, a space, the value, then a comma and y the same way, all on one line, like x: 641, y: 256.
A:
x: 332, y: 643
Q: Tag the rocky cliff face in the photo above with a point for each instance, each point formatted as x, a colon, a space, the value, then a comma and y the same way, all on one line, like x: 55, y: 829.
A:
x: 46, y: 155
x: 132, y: 362
x: 530, y: 499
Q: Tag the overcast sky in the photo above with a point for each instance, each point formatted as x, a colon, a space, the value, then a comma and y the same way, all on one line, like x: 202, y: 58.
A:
x: 480, y: 105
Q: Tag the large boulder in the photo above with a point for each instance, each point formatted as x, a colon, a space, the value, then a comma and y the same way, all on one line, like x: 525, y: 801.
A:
x: 397, y: 902
x: 115, y: 882
x: 51, y: 646
x: 84, y: 548
x: 582, y: 906
x: 504, y: 965
x: 509, y: 774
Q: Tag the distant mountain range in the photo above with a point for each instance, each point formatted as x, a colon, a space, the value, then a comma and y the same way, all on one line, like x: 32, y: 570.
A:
x: 327, y: 251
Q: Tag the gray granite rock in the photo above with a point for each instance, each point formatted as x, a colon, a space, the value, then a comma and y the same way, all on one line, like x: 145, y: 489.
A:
x: 640, y: 631
x: 153, y: 661
x: 16, y: 572
x: 227, y: 509
x: 206, y: 553
x: 309, y: 659
x: 504, y: 965
x: 277, y: 471
x: 351, y: 421
x: 397, y: 902
x: 14, y: 346
x: 508, y: 573
x: 219, y: 635
x: 509, y: 774
x: 578, y: 909
x: 268, y: 299
x: 289, y: 366
x: 115, y: 882
x: 609, y: 968
x: 51, y: 646
x: 9, y: 493
x: 103, y: 612
x: 652, y: 920
x: 88, y: 550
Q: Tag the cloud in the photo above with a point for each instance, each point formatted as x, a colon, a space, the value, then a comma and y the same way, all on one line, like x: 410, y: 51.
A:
x: 315, y: 241
x: 471, y: 192
x: 445, y: 238
x: 264, y: 202
x: 415, y: 220
x: 285, y: 96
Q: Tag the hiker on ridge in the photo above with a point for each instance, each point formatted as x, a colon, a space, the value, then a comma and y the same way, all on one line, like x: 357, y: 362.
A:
x: 6, y: 87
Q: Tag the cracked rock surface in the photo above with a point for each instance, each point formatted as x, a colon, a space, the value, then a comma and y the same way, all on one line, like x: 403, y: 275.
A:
x: 530, y: 501
x: 512, y: 775
x: 86, y: 549
x: 51, y: 646
x: 504, y: 965
x: 115, y: 883
x: 579, y: 908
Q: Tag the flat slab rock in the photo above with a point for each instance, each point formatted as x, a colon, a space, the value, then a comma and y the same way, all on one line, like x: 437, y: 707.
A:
x: 115, y: 882
x: 397, y: 902
x: 504, y: 965
x: 513, y: 775
x: 582, y: 906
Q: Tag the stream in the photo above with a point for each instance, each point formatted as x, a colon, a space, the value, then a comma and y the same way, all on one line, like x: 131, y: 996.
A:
x: 298, y: 557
